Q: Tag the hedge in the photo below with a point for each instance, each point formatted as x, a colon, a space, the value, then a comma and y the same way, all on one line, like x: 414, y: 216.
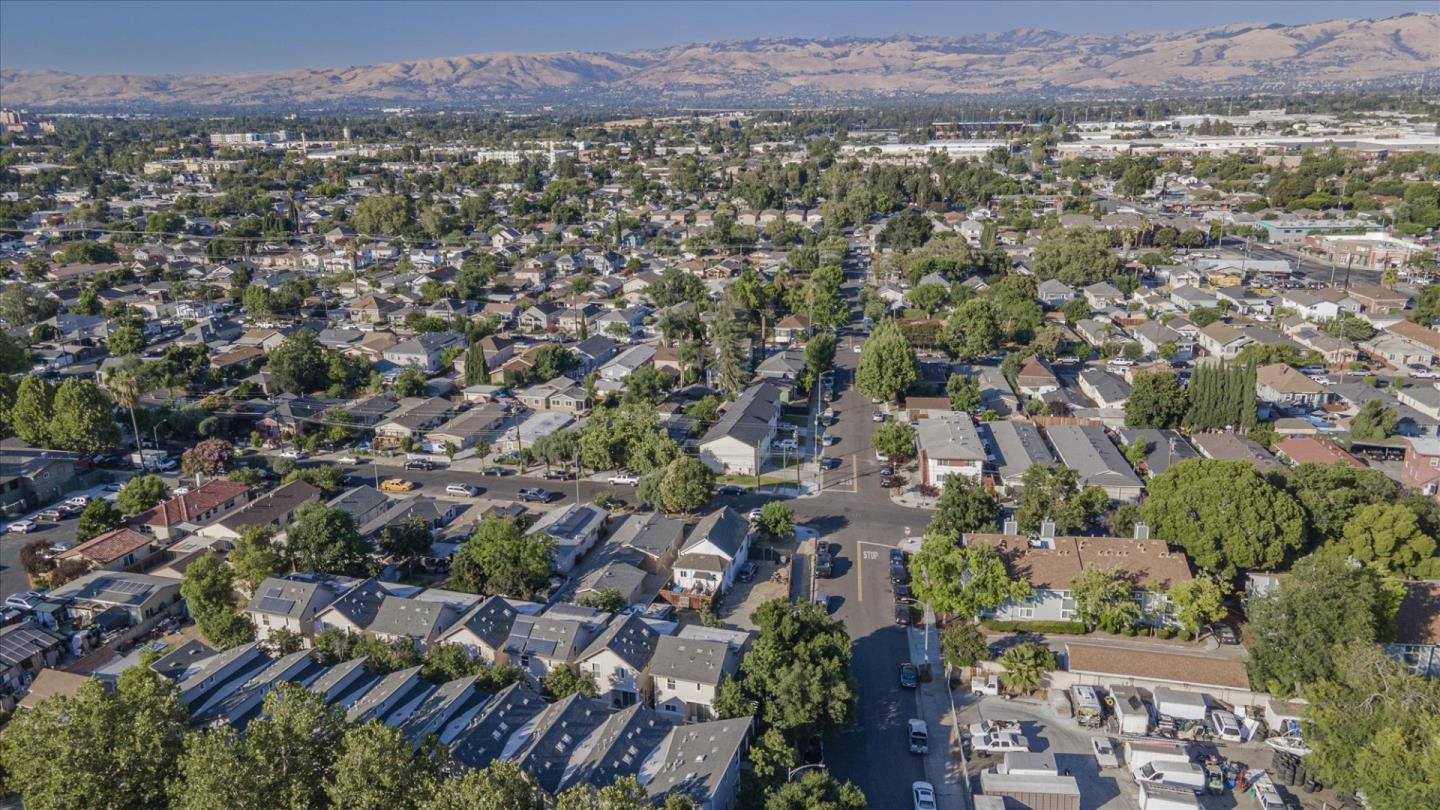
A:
x: 1058, y: 628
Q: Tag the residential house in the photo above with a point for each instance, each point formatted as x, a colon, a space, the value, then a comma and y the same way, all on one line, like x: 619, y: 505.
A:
x: 26, y: 648
x: 1233, y: 447
x: 541, y: 317
x: 363, y: 503
x: 701, y: 761
x: 1313, y: 450
x: 1035, y: 378
x: 186, y: 513
x: 575, y: 528
x: 1378, y: 300
x: 1336, y: 351
x: 619, y: 660
x: 1102, y: 295
x: 1051, y: 565
x: 1417, y: 629
x: 687, y: 674
x: 483, y: 629
x: 291, y: 604
x: 792, y: 329
x: 424, y: 351
x: 1422, y: 465
x: 1152, y: 335
x: 560, y: 394
x: 1281, y: 385
x: 628, y: 362
x: 1089, y: 451
x: 1014, y: 447
x: 1222, y: 340
x: 1419, y: 333
x: 538, y: 644
x: 274, y: 509
x: 739, y: 441
x: 714, y: 552
x: 115, y: 550
x: 469, y: 429
x: 412, y: 419
x: 1054, y: 293
x: 783, y: 365
x: 1189, y: 299
x: 1398, y: 351
x: 949, y: 445
x: 142, y: 598
x: 1163, y: 448
x: 1107, y: 390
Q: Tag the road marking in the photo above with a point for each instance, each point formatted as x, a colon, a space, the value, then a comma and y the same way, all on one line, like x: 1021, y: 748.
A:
x: 860, y: 565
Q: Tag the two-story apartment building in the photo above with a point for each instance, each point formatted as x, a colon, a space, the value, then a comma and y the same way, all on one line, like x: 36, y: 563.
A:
x: 949, y: 445
x: 619, y: 660
x: 687, y: 674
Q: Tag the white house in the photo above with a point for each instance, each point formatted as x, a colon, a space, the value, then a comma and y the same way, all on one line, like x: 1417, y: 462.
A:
x: 575, y: 528
x: 687, y: 674
x: 718, y: 546
x: 619, y: 660
x: 739, y: 441
x: 949, y: 445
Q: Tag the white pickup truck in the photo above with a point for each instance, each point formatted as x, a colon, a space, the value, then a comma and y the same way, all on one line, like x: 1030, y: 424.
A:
x: 984, y: 727
x: 1000, y: 741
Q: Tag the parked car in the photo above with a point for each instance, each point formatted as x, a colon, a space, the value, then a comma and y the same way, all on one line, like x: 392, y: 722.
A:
x: 903, y: 615
x: 787, y: 445
x: 829, y: 463
x: 420, y: 464
x: 898, y: 573
x: 22, y: 527
x: 747, y: 572
x: 626, y: 478
x: 985, y: 685
x: 1121, y: 362
x: 897, y: 555
x: 53, y: 515
x: 1105, y: 752
x: 80, y: 501
x: 497, y: 471
x: 291, y: 453
x: 1225, y: 725
x: 347, y: 460
x: 558, y: 475
x: 1421, y: 372
x: 24, y: 601
x: 60, y: 547
x: 753, y: 515
x: 464, y: 490
x: 877, y: 416
x: 730, y: 489
x: 823, y: 600
x: 396, y: 485
x: 824, y: 565
x: 919, y: 737
x: 1223, y: 633
x: 1000, y: 742
x: 909, y: 676
x: 923, y: 796
x: 538, y: 495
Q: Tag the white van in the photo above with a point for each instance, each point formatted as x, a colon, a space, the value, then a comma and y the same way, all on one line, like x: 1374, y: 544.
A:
x: 1225, y: 725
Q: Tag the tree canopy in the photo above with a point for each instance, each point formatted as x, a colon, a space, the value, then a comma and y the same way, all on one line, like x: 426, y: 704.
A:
x: 887, y: 363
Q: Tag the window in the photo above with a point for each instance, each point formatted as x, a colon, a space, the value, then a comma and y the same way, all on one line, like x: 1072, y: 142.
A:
x: 1025, y: 612
x: 669, y: 683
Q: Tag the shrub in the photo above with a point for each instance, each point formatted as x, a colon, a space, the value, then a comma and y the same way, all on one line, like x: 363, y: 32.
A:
x: 1057, y: 628
x: 1166, y: 633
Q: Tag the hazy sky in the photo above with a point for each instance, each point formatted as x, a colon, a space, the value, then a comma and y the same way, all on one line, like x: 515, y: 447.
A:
x: 231, y: 36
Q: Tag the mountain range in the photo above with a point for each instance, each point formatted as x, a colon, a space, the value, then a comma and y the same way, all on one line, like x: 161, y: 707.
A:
x: 1033, y: 63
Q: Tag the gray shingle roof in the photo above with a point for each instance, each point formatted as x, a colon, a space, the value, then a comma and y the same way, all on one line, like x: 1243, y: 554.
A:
x: 692, y: 660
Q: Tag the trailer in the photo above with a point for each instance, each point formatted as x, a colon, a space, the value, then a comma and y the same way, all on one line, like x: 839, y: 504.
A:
x: 1132, y: 716
x: 1089, y: 712
x: 1180, y: 704
x: 1164, y: 797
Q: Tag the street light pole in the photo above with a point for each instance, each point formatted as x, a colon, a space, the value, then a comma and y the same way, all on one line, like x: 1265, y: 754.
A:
x: 790, y: 777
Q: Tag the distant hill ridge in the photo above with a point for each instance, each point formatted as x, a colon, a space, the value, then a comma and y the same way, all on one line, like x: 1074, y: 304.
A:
x: 1024, y: 62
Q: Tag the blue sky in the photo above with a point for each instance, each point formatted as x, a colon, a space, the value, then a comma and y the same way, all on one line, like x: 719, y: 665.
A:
x: 229, y: 36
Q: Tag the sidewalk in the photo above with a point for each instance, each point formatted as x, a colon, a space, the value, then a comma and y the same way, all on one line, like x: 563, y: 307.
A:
x: 945, y: 764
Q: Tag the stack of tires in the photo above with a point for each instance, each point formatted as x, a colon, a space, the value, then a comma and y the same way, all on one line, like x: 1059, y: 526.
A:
x: 1287, y: 768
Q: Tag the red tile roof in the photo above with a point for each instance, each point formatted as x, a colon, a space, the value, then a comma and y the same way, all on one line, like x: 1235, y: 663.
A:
x: 108, y: 547
x: 188, y: 507
x: 1310, y: 450
x: 1149, y: 564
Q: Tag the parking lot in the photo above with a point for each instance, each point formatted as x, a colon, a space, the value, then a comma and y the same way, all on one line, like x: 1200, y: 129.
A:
x: 1100, y: 788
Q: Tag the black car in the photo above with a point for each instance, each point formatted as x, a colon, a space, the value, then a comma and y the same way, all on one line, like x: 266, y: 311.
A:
x: 909, y: 676
x: 500, y: 471
x: 746, y: 572
x: 1223, y: 633
x: 898, y: 555
x: 898, y: 573
x: 558, y: 475
x: 902, y: 614
x: 420, y: 464
x: 902, y: 592
x: 730, y: 489
x: 829, y: 463
x: 538, y: 495
x: 824, y: 565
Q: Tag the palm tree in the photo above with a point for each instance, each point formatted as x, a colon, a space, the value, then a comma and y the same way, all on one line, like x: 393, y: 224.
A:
x: 1026, y: 666
x: 126, y: 383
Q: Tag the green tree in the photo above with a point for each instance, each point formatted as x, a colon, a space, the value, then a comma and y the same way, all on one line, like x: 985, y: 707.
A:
x: 1374, y: 727
x: 506, y: 561
x: 125, y: 340
x: 964, y: 506
x: 688, y: 484
x: 477, y: 369
x: 214, y: 773
x: 928, y: 298
x: 1076, y: 256
x: 1026, y: 666
x: 1054, y: 493
x: 210, y: 457
x: 562, y: 682
x: 907, y: 229
x: 208, y: 586
x: 798, y: 672
x: 406, y: 539
x: 1325, y: 605
x: 100, y: 749
x: 776, y: 520
x: 1225, y: 515
x: 411, y: 382
x: 377, y: 768
x: 887, y: 363
x: 973, y: 329
x: 298, y: 364
x: 13, y: 357
x: 1157, y: 400
x: 732, y: 364
x: 1104, y: 599
x: 99, y: 517
x: 894, y: 440
x: 1075, y: 310
x: 609, y: 600
x: 963, y: 644
x: 1221, y: 397
x: 324, y: 538
x: 816, y: 790
x: 34, y: 411
x: 1198, y: 602
x: 963, y: 580
x: 964, y: 393
x: 292, y: 746
x: 1375, y: 422
x: 1331, y: 494
x: 84, y: 419
x: 501, y: 785
x: 1389, y: 537
x: 141, y: 493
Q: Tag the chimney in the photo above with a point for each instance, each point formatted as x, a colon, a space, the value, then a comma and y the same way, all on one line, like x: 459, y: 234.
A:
x: 1012, y: 527
x: 1142, y: 531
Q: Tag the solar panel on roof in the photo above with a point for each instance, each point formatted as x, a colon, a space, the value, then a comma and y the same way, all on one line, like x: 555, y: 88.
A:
x: 273, y: 604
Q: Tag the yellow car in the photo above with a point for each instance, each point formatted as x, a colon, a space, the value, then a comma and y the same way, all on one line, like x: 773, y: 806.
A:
x: 396, y: 485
